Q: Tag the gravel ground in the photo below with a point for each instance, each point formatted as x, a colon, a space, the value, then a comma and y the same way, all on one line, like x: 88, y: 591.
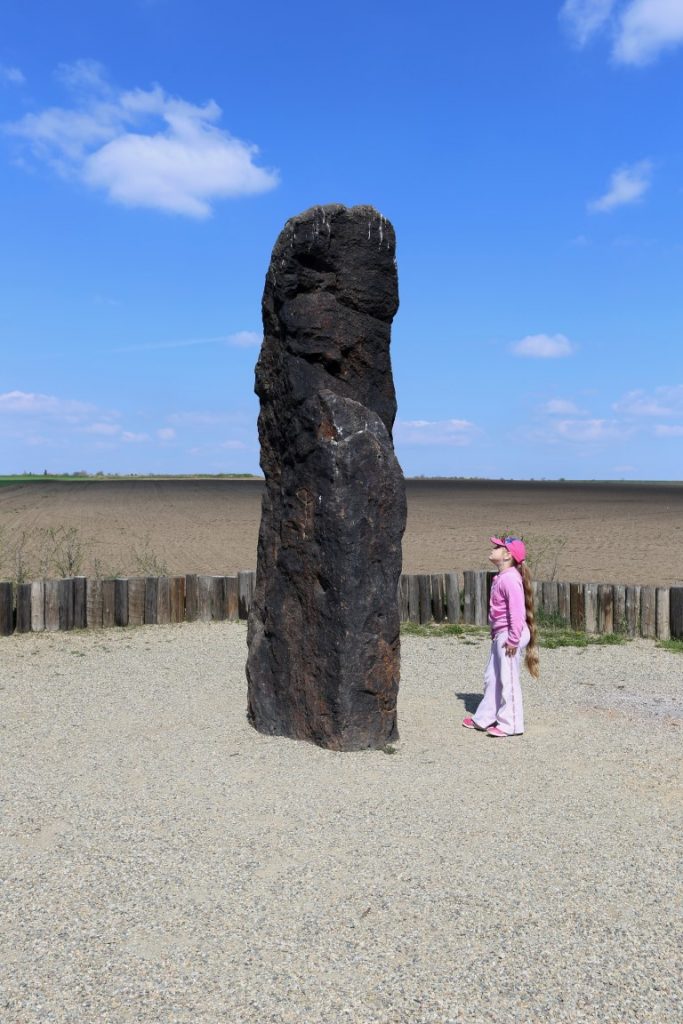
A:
x: 162, y: 862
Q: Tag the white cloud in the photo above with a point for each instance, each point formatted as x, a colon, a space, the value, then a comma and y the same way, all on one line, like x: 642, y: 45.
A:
x: 583, y: 18
x: 583, y: 430
x: 28, y: 403
x: 240, y: 339
x: 143, y: 147
x: 38, y: 441
x: 245, y: 339
x: 646, y: 28
x: 12, y: 75
x: 438, y: 432
x: 84, y: 76
x: 639, y: 30
x: 669, y: 430
x: 543, y: 346
x: 663, y: 401
x: 627, y: 185
x: 105, y: 429
x: 166, y: 433
x: 203, y: 419
x: 132, y: 438
x: 561, y: 407
x: 232, y: 445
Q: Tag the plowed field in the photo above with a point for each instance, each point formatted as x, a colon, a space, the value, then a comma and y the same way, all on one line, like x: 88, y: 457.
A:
x: 620, y: 532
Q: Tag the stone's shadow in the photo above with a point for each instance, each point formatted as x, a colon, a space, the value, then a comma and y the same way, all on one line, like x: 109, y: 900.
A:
x: 470, y: 701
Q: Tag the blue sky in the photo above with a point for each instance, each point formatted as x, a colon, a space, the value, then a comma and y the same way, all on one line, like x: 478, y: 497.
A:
x: 529, y: 155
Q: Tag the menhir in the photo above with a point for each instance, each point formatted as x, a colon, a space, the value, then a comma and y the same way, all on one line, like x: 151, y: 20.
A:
x: 324, y: 648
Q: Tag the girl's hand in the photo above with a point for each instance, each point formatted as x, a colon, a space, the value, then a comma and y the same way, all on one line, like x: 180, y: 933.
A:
x: 510, y: 650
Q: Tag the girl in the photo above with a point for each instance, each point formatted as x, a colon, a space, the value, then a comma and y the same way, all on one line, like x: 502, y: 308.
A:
x: 511, y: 615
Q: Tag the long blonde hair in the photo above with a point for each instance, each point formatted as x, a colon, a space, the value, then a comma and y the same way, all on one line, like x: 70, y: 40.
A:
x: 531, y: 656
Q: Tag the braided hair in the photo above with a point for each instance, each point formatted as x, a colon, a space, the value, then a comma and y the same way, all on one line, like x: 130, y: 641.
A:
x: 531, y: 655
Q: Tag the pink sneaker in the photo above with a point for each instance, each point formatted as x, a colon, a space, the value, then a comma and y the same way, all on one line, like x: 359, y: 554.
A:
x: 469, y: 723
x: 494, y: 731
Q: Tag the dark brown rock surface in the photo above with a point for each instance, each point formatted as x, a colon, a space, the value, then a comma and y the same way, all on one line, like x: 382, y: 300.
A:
x: 324, y: 651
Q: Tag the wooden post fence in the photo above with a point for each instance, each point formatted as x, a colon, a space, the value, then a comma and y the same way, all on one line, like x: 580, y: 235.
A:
x: 450, y: 597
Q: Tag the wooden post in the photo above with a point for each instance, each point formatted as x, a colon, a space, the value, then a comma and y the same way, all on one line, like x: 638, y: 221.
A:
x: 577, y: 607
x: 176, y: 588
x: 191, y: 597
x: 23, y: 622
x: 619, y: 613
x: 425, y: 586
x: 490, y: 577
x: 648, y: 611
x: 676, y: 613
x: 550, y: 599
x: 108, y: 602
x: 232, y: 608
x: 632, y: 611
x: 121, y: 601
x: 475, y: 612
x: 136, y: 600
x: 93, y: 602
x: 163, y: 601
x: 6, y: 608
x: 452, y: 597
x: 52, y: 605
x: 38, y: 606
x: 468, y: 590
x: 151, y: 600
x: 80, y: 608
x: 413, y: 599
x: 245, y: 588
x: 204, y: 598
x: 663, y: 624
x: 218, y: 606
x: 438, y: 597
x: 605, y: 608
x: 481, y: 605
x: 590, y: 595
x: 66, y: 603
x: 401, y: 597
x: 564, y: 608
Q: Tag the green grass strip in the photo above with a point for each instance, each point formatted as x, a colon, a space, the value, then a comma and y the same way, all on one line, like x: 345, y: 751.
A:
x: 550, y: 637
x: 675, y: 646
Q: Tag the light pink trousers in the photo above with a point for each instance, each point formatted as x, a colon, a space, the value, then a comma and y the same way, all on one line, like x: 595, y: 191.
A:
x: 502, y: 700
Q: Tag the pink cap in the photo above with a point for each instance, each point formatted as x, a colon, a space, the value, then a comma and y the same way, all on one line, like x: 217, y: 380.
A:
x: 514, y: 545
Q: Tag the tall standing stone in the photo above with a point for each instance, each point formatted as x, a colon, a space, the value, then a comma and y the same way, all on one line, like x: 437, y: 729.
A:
x: 324, y: 649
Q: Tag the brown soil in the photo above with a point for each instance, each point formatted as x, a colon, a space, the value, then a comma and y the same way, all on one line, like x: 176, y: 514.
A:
x: 620, y: 532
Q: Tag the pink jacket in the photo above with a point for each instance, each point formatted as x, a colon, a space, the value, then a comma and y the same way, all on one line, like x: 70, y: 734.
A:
x: 507, y: 609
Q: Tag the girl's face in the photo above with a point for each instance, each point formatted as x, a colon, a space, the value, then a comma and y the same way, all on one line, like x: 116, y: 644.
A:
x: 501, y: 558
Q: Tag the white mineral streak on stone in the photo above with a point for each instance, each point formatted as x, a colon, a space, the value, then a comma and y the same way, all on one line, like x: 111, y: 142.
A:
x: 381, y: 221
x: 320, y: 223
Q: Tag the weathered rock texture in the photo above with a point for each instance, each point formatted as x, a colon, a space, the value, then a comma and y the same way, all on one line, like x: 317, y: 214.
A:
x: 324, y: 652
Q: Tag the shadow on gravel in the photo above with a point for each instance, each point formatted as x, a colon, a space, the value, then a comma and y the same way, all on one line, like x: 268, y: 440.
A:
x: 470, y: 700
